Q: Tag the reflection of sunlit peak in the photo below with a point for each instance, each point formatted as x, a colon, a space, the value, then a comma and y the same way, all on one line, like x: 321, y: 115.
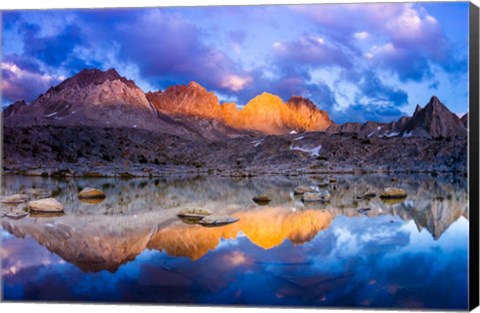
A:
x: 271, y: 226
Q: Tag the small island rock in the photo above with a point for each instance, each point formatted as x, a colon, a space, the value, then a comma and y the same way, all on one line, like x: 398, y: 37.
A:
x: 393, y: 193
x: 262, y: 199
x: 88, y: 193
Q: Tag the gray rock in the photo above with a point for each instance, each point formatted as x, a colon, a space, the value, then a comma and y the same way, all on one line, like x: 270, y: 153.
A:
x: 15, y: 199
x: 193, y: 214
x: 216, y: 220
x: 16, y: 214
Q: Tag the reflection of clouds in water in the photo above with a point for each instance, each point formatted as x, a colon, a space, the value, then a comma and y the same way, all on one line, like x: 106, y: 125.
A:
x: 236, y: 258
x: 17, y: 257
x: 383, y: 270
x: 272, y: 256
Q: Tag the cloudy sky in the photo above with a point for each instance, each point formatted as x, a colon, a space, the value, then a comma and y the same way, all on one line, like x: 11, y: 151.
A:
x: 359, y: 62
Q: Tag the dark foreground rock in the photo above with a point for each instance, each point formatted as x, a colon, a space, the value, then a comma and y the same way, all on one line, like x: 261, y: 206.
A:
x: 127, y: 152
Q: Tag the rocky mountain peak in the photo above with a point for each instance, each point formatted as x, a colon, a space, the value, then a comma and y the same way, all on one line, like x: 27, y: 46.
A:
x: 189, y: 100
x: 435, y: 120
x: 87, y: 77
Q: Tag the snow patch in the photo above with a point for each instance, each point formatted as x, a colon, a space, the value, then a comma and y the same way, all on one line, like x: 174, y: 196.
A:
x: 293, y: 132
x: 258, y: 142
x: 51, y: 114
x: 407, y: 134
x: 299, y: 138
x: 312, y: 151
x: 392, y: 134
x: 135, y: 126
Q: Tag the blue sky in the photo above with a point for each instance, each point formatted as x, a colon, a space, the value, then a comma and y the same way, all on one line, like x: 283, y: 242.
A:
x: 359, y: 62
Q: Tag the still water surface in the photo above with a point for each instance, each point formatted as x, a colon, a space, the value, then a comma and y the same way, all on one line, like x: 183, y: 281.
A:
x: 131, y: 247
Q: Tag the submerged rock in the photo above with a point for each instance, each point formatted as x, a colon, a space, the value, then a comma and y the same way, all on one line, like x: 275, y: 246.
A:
x: 216, y: 220
x: 393, y: 193
x: 16, y: 214
x: 262, y: 199
x: 193, y: 214
x: 49, y: 205
x: 300, y: 190
x: 369, y: 195
x: 15, y: 199
x: 364, y: 210
x: 36, y: 193
x: 90, y: 193
x: 321, y: 196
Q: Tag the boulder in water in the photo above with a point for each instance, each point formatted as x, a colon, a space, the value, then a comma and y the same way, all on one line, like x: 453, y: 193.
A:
x: 216, y: 220
x: 262, y: 199
x: 91, y: 193
x: 193, y: 214
x: 393, y: 193
x: 48, y: 205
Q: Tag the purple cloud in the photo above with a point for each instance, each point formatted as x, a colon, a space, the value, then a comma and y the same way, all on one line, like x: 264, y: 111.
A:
x: 241, y: 52
x: 23, y: 84
x: 310, y: 50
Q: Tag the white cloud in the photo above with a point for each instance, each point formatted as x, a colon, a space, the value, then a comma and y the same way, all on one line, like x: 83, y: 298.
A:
x: 236, y: 83
x: 361, y: 35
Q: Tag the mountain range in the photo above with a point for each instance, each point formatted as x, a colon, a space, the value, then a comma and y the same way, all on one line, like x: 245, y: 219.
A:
x: 101, y: 124
x: 97, y: 98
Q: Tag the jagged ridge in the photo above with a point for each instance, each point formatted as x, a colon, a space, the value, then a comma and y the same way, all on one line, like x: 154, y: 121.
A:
x: 106, y: 99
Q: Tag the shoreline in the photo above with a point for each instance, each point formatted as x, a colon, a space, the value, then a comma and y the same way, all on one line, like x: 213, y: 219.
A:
x: 235, y: 173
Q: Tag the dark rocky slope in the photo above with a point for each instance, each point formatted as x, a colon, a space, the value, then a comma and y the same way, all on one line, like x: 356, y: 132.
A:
x: 114, y: 151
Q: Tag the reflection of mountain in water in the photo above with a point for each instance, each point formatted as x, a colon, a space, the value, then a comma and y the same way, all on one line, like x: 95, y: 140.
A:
x: 140, y: 214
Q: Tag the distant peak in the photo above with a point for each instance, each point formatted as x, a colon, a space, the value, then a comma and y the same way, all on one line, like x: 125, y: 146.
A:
x: 418, y: 108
